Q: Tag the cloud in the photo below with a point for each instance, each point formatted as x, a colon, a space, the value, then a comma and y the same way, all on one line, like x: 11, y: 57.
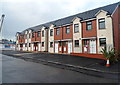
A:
x: 22, y: 14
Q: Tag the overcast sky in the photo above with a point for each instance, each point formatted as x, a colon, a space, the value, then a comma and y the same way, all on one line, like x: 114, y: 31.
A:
x: 22, y: 14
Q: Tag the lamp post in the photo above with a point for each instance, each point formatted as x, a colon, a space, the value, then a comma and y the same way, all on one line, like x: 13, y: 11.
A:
x: 1, y: 21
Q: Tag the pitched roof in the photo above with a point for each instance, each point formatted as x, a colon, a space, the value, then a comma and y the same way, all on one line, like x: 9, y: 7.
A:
x: 84, y: 16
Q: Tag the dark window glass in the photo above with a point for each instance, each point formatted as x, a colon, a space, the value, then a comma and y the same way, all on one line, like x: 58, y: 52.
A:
x: 68, y: 30
x: 23, y: 37
x: 29, y: 44
x: 32, y: 35
x: 102, y: 41
x: 64, y: 43
x: 85, y: 42
x: 43, y: 33
x: 51, y: 44
x: 76, y: 43
x: 42, y: 44
x: 76, y: 28
x: 38, y: 34
x: 29, y: 35
x: 17, y: 37
x: 57, y: 31
x: 25, y: 44
x: 51, y: 32
x: 89, y: 25
x: 101, y: 23
x: 60, y: 43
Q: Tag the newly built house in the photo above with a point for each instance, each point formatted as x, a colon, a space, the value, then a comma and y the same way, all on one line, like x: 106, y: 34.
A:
x: 85, y: 32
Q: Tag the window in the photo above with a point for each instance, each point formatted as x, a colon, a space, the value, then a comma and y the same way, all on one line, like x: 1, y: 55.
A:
x: 76, y: 28
x: 17, y: 37
x: 38, y: 34
x: 22, y: 36
x: 89, y: 25
x: 67, y: 29
x: 85, y: 42
x: 42, y: 44
x: 51, y: 44
x: 101, y: 23
x: 64, y: 43
x: 60, y: 44
x: 29, y: 44
x: 102, y: 41
x: 25, y: 44
x: 76, y: 43
x: 57, y: 31
x: 32, y: 35
x: 51, y: 32
x: 29, y: 35
x: 43, y: 33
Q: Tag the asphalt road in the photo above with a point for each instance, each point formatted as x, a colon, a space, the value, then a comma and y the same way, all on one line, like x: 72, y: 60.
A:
x: 0, y: 69
x: 20, y: 71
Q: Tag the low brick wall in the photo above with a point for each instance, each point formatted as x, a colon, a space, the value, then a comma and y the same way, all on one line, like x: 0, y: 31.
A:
x: 98, y: 56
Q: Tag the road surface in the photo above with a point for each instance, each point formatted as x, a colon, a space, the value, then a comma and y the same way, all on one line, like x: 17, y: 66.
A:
x: 19, y: 71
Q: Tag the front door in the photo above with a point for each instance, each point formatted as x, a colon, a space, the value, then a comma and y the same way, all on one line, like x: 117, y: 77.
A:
x: 92, y: 46
x: 56, y: 47
x: 39, y: 46
x: 21, y: 47
x: 35, y: 46
x: 69, y: 47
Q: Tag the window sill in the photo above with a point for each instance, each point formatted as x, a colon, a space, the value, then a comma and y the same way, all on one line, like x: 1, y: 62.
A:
x: 76, y: 32
x: 102, y: 28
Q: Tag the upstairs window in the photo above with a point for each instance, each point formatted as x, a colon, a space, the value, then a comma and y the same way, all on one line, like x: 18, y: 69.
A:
x: 102, y: 41
x: 29, y: 35
x: 57, y: 31
x: 43, y: 33
x: 17, y: 37
x: 33, y: 35
x: 51, y: 44
x: 101, y: 23
x: 89, y: 25
x: 76, y: 43
x: 51, y: 32
x: 67, y: 30
x: 23, y: 36
x: 38, y: 34
x: 76, y: 28
x: 42, y: 44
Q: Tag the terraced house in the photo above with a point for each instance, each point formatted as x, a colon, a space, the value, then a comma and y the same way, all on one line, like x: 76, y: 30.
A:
x: 85, y: 32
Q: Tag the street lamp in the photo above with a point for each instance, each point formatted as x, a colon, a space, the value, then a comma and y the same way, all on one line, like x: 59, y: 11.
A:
x: 2, y: 19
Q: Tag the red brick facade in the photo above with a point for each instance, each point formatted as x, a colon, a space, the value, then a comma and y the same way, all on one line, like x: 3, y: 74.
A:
x: 89, y: 33
x: 116, y: 28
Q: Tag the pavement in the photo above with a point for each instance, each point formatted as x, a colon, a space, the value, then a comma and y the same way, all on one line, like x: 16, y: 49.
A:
x: 85, y: 65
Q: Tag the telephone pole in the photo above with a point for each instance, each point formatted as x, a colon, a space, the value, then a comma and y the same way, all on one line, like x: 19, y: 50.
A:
x: 1, y: 21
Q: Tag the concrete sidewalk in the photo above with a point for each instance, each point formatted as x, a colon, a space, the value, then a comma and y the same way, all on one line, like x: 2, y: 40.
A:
x: 76, y: 63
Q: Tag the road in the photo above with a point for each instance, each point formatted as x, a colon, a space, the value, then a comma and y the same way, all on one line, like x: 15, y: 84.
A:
x: 20, y: 71
x: 0, y: 68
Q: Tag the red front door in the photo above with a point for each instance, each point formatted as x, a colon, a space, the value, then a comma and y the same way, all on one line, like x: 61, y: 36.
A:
x: 21, y: 47
x: 35, y: 46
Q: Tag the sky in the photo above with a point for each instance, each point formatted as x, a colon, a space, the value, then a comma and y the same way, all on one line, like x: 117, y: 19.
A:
x: 22, y: 14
